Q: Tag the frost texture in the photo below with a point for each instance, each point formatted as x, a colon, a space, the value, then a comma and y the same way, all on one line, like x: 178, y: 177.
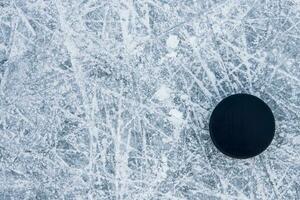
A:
x: 107, y: 99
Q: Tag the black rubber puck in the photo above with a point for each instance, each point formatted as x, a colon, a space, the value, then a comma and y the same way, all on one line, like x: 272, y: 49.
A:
x: 242, y: 126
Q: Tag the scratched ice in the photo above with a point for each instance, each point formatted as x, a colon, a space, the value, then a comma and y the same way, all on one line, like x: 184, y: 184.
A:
x: 110, y: 99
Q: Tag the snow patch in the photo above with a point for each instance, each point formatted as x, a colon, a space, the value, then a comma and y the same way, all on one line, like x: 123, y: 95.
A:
x: 184, y: 97
x: 193, y: 40
x: 297, y: 140
x: 176, y: 117
x: 172, y: 42
x: 172, y: 54
x: 163, y: 93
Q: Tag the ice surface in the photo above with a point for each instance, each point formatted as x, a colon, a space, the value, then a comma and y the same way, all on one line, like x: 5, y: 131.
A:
x: 107, y: 99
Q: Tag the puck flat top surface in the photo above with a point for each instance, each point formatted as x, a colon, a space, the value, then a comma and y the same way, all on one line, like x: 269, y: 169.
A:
x: 242, y: 126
